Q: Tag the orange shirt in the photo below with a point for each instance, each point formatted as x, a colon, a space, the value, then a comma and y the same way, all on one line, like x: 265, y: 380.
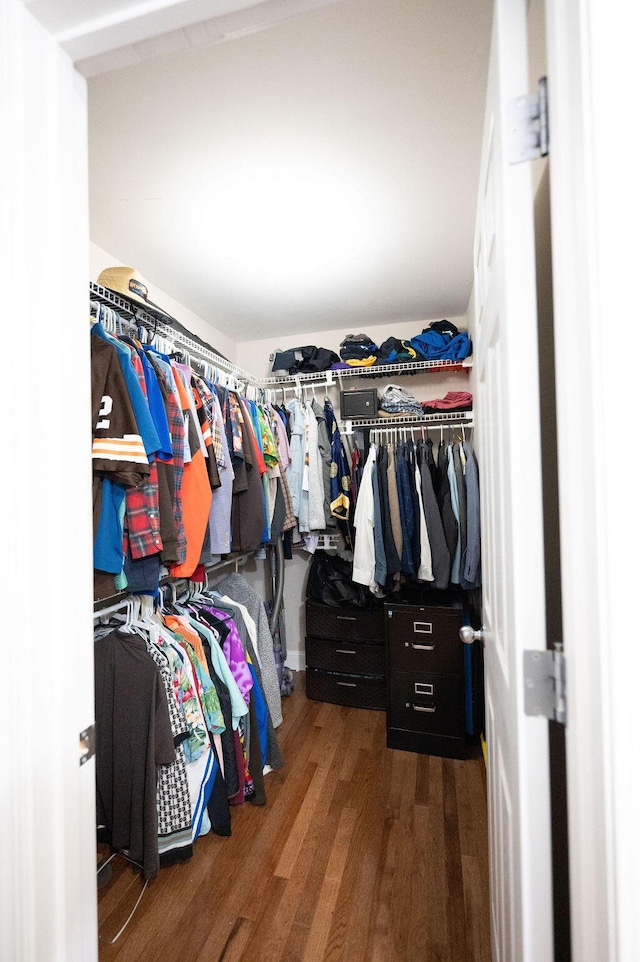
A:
x: 196, y: 499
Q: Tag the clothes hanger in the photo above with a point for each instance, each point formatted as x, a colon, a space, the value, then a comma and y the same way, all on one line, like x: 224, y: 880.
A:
x: 128, y: 617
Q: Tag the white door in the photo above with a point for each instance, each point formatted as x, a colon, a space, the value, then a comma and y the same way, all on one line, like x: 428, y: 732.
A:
x: 508, y: 445
x: 48, y: 910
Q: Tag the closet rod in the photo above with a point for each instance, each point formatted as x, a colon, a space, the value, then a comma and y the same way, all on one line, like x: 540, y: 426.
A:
x: 237, y: 560
x: 393, y: 424
x: 407, y: 429
x: 101, y: 612
x: 151, y: 323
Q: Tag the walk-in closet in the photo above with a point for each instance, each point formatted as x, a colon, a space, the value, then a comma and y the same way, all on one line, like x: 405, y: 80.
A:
x: 329, y: 764
x: 317, y: 605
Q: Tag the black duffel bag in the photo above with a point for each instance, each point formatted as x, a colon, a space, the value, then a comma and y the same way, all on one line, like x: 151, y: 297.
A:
x: 303, y: 360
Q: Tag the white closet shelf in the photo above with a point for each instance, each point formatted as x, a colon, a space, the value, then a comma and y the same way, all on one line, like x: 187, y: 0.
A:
x: 409, y: 367
x: 154, y: 324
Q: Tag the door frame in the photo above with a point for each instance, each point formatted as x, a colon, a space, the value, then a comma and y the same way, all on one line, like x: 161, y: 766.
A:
x: 591, y: 53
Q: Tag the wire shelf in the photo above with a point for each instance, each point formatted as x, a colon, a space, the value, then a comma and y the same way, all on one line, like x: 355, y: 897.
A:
x: 153, y: 323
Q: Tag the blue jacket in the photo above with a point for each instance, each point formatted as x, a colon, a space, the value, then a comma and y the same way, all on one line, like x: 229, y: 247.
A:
x: 432, y: 346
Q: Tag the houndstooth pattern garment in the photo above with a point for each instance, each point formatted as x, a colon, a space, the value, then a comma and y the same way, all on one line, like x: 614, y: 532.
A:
x: 172, y: 790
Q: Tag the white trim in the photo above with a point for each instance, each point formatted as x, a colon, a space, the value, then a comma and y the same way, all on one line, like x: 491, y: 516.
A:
x: 295, y: 660
x: 592, y: 55
x: 134, y: 34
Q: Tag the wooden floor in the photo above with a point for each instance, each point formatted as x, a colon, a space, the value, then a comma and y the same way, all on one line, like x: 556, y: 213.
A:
x: 362, y: 854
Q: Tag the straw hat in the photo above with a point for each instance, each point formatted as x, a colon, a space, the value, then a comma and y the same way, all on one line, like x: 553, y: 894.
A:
x: 129, y: 284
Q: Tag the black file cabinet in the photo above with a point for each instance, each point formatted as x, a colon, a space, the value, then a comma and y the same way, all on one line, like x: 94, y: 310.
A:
x: 425, y: 689
x: 345, y: 656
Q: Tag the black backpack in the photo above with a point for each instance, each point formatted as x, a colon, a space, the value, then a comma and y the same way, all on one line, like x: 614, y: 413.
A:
x: 329, y: 583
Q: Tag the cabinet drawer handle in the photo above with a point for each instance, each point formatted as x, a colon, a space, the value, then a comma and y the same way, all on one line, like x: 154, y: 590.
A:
x: 347, y: 684
x: 420, y: 647
x: 345, y: 651
x: 429, y: 708
x: 345, y: 618
x: 423, y: 627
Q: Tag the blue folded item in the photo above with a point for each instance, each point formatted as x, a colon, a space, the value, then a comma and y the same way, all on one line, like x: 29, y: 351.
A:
x: 432, y: 346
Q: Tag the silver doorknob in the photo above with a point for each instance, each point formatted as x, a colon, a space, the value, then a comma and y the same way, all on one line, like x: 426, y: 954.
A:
x: 469, y: 635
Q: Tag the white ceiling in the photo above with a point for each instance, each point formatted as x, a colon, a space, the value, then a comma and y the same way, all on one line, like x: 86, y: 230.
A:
x: 317, y: 171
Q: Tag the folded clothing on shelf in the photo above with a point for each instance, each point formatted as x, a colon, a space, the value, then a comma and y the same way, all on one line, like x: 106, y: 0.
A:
x: 452, y: 401
x: 397, y: 400
x: 358, y: 350
x: 395, y: 350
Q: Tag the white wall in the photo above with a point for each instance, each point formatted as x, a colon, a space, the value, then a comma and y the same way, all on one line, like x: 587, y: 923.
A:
x: 254, y: 354
x: 101, y: 259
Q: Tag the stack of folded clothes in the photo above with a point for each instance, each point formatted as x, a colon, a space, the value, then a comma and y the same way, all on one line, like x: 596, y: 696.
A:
x: 396, y: 350
x: 358, y: 350
x: 453, y: 401
x: 396, y: 400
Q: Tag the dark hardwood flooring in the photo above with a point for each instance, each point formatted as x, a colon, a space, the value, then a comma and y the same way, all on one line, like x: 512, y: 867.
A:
x: 362, y: 854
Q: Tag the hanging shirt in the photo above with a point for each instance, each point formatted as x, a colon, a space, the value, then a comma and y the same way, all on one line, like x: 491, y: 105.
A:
x: 196, y: 496
x: 175, y: 418
x: 455, y: 505
x: 220, y: 512
x: 471, y: 575
x: 138, y: 401
x: 133, y: 737
x: 317, y: 520
x: 364, y: 554
x: 340, y: 480
x: 425, y: 571
x: 118, y: 448
x: 295, y: 471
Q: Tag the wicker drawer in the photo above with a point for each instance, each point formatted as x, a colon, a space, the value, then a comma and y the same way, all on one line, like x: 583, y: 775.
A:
x: 426, y: 703
x: 343, y: 689
x: 354, y: 624
x: 425, y: 639
x: 342, y: 656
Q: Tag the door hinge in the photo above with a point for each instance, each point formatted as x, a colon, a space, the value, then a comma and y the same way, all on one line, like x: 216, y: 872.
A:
x: 87, y: 744
x: 545, y: 685
x: 529, y: 125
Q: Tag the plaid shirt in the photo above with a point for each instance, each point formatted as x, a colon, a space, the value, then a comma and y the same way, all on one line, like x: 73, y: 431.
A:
x: 142, y: 518
x: 214, y: 426
x: 289, y: 517
x: 237, y: 422
x: 176, y: 430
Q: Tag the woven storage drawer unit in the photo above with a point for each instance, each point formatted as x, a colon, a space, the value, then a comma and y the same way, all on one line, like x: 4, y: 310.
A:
x: 344, y: 656
x: 354, y: 624
x: 358, y: 691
